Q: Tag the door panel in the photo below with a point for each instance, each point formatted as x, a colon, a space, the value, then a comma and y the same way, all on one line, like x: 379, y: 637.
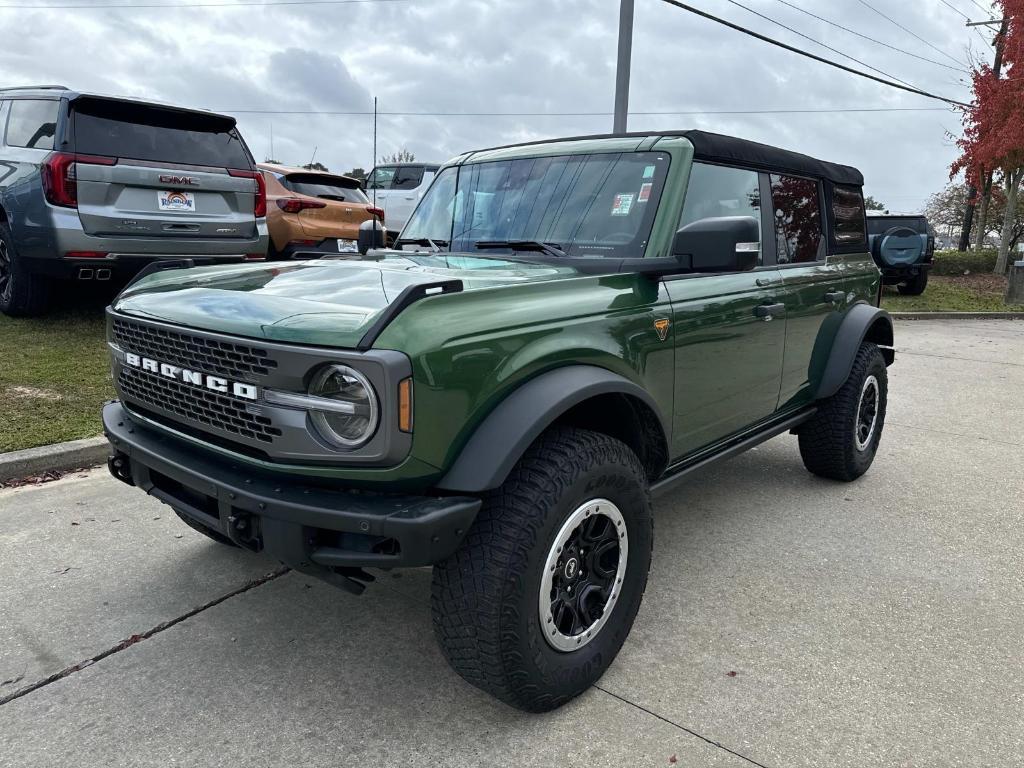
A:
x: 728, y: 358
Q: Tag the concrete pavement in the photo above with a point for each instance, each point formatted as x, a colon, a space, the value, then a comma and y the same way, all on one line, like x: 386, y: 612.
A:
x: 876, y: 623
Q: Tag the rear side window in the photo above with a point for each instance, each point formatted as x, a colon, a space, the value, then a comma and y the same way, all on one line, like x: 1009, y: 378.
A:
x: 381, y: 178
x: 717, y: 190
x: 407, y: 177
x: 848, y: 210
x: 32, y: 123
x: 325, y: 187
x: 798, y: 230
x: 156, y: 134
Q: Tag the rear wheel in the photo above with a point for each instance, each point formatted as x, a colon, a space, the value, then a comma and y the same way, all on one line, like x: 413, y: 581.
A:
x: 914, y: 286
x: 541, y: 595
x: 841, y: 439
x: 22, y: 294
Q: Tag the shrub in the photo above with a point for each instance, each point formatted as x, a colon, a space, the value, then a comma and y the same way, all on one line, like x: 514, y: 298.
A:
x: 956, y: 263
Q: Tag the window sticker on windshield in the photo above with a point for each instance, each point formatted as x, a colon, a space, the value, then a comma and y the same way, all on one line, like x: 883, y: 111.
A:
x: 645, y: 192
x: 649, y: 172
x: 621, y: 205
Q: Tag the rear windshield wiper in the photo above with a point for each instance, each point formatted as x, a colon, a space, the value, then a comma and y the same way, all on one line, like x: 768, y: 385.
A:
x: 434, y: 245
x: 551, y: 249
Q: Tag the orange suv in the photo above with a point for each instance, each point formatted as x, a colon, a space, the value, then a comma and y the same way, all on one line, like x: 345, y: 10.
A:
x: 313, y: 211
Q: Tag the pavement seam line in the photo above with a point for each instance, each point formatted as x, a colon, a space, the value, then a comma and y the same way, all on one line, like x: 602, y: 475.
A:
x: 956, y: 357
x: 953, y: 434
x: 138, y: 638
x: 683, y: 728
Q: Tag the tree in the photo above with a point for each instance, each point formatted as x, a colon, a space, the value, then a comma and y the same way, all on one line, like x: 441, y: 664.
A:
x: 318, y: 166
x: 873, y: 205
x: 401, y: 156
x: 272, y: 161
x: 993, y: 129
x: 357, y: 173
x: 945, y: 209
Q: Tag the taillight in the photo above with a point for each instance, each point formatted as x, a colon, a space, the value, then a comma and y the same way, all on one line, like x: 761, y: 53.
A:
x: 296, y: 204
x: 60, y: 179
x: 378, y: 212
x: 260, y: 204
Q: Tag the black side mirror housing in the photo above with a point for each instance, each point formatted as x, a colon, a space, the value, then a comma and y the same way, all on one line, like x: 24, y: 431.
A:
x: 371, y: 236
x: 718, y: 244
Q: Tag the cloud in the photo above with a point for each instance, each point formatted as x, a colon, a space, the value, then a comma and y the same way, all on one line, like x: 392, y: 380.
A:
x: 553, y: 56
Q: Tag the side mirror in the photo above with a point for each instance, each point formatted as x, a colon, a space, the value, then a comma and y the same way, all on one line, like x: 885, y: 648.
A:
x: 371, y: 236
x: 719, y: 244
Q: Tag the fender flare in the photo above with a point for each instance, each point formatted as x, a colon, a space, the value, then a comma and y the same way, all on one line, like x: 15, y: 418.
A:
x: 862, y: 321
x: 501, y: 439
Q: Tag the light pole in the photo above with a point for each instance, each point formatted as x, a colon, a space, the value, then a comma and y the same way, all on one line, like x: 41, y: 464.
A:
x: 622, y: 66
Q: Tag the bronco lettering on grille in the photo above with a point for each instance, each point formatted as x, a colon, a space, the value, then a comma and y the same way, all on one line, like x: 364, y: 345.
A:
x: 194, y: 378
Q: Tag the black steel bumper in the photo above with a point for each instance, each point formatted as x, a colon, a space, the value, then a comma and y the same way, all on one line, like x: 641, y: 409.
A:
x: 892, y: 275
x: 311, y: 528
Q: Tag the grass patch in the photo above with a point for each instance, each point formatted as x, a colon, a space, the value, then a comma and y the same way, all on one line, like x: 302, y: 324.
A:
x: 965, y: 293
x: 54, y: 377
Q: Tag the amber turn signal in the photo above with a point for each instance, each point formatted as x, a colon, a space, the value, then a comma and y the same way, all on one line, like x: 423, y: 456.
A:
x: 405, y: 405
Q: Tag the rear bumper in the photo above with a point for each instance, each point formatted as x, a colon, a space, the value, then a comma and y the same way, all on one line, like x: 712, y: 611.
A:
x: 305, y: 251
x: 899, y: 274
x: 312, y: 528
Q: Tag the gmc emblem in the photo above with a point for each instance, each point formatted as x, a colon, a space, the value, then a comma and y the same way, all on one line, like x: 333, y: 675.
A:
x: 178, y: 181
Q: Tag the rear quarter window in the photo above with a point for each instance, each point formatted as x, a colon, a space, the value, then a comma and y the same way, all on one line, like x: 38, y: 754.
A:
x: 156, y: 134
x: 32, y: 123
x: 848, y: 213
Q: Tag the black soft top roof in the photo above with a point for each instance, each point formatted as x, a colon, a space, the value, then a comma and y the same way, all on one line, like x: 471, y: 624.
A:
x: 727, y: 149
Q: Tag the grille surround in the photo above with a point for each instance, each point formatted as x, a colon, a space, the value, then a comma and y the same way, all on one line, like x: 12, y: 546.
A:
x: 235, y: 360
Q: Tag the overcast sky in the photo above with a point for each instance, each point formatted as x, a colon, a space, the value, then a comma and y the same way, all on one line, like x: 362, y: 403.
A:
x: 524, y: 56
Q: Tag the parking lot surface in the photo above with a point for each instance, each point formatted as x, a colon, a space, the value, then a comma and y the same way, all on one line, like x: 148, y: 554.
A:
x: 789, y: 621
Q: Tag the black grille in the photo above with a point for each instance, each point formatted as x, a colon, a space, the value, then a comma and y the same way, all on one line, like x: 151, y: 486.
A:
x: 197, y: 405
x: 225, y: 358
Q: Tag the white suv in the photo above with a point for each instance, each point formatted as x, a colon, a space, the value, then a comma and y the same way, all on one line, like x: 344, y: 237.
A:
x: 397, y: 188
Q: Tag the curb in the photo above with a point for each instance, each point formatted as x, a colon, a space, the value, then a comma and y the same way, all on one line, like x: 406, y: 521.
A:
x: 90, y: 452
x: 957, y: 315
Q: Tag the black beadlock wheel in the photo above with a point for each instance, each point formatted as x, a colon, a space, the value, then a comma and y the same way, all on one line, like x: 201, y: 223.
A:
x: 841, y: 439
x: 208, y: 532
x: 22, y: 294
x: 538, y: 600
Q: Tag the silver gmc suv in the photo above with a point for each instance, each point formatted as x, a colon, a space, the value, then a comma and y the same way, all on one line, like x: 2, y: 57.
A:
x: 96, y: 187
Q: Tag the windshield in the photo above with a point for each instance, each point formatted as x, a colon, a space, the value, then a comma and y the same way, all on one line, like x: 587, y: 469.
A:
x: 586, y: 205
x: 323, y: 187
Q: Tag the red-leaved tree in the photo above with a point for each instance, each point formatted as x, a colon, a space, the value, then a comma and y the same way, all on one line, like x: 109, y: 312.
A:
x: 993, y: 137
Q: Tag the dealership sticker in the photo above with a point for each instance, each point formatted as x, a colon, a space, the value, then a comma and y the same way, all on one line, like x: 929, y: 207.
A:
x: 622, y: 204
x: 645, y: 192
x: 649, y: 172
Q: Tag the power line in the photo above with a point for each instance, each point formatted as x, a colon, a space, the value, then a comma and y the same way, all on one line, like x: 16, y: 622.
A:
x: 982, y: 7
x: 873, y: 40
x: 954, y: 9
x: 820, y: 59
x: 332, y: 113
x: 166, y: 6
x: 818, y: 42
x: 866, y: 4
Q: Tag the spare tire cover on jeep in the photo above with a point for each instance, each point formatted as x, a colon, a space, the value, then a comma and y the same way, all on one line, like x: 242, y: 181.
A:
x: 899, y: 246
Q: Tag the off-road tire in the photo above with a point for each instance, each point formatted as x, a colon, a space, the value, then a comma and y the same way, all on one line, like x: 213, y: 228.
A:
x: 217, y: 536
x: 22, y: 294
x: 484, y: 599
x: 914, y: 286
x: 829, y: 440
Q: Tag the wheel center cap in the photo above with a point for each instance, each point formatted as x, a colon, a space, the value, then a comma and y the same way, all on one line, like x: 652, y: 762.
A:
x: 571, y: 569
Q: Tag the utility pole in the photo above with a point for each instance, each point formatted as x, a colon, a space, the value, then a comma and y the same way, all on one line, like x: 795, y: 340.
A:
x: 622, y: 66
x: 972, y: 190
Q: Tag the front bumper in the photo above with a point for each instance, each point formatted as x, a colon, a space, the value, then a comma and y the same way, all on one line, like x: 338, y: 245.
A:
x: 314, y: 529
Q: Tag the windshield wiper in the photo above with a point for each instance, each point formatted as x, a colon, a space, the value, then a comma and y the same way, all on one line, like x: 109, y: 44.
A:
x: 434, y: 245
x: 551, y: 249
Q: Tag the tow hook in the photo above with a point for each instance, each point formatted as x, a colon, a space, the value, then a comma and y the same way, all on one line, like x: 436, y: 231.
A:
x: 243, y: 529
x: 120, y: 467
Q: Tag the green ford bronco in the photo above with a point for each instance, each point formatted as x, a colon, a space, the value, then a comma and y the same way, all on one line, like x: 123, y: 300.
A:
x: 562, y: 328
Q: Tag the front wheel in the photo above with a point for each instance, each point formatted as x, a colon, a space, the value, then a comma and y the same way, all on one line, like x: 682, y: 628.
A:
x: 538, y: 600
x: 840, y: 441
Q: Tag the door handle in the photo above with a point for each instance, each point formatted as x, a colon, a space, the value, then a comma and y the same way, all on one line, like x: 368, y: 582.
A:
x: 768, y: 311
x: 834, y: 297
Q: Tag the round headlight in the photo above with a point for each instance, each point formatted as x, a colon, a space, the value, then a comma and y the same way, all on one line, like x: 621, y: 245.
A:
x: 345, y: 427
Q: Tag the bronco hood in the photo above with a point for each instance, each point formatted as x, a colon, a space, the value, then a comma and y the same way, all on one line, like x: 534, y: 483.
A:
x: 330, y: 302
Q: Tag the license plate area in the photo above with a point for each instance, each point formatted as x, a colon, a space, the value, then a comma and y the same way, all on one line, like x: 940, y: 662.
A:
x: 175, y: 201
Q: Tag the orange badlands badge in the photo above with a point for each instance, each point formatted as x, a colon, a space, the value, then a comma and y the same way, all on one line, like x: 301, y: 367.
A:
x: 661, y: 326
